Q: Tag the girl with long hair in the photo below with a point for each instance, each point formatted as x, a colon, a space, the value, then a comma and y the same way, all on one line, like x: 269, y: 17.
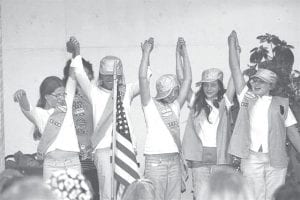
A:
x: 58, y: 145
x: 208, y: 128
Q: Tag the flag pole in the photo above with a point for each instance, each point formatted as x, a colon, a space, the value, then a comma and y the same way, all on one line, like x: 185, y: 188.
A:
x: 113, y: 163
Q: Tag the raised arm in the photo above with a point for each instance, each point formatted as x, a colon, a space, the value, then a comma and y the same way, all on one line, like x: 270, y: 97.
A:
x: 70, y: 88
x: 179, y: 67
x: 144, y: 82
x: 21, y: 98
x: 230, y: 89
x: 234, y: 62
x: 185, y: 87
x: 179, y: 70
x: 73, y: 47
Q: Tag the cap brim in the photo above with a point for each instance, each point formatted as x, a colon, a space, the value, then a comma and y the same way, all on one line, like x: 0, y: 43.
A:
x: 205, y: 81
x: 162, y: 95
x: 262, y: 78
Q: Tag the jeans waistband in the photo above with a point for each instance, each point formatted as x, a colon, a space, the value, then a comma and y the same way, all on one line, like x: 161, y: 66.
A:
x: 67, y: 159
x: 163, y: 155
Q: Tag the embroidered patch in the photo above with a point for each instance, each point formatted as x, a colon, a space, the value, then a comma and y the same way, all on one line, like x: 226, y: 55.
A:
x: 281, y: 109
x: 245, y: 104
x: 52, y: 121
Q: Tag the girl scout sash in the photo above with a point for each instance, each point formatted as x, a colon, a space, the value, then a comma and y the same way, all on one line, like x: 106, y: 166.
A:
x: 106, y: 118
x: 104, y: 123
x: 172, y: 123
x: 51, y: 131
x: 83, y: 121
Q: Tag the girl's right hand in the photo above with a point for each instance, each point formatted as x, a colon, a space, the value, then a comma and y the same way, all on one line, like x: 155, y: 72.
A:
x: 19, y: 94
x: 233, y: 40
x: 181, y: 46
x: 147, y: 46
x: 73, y: 46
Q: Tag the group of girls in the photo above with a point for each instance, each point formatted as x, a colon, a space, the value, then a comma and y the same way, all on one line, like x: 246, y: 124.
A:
x: 208, y: 144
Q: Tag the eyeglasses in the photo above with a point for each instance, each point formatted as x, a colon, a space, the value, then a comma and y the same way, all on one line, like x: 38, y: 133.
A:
x: 59, y: 95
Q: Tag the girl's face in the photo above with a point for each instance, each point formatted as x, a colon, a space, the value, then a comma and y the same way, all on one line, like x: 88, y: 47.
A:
x: 107, y: 81
x: 172, y: 96
x: 260, y: 87
x: 211, y: 89
x: 56, y: 98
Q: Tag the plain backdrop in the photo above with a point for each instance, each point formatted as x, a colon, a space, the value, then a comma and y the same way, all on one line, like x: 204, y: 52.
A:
x: 35, y: 32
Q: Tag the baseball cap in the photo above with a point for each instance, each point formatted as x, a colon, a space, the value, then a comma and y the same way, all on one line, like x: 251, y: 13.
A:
x: 107, y: 65
x: 165, y: 84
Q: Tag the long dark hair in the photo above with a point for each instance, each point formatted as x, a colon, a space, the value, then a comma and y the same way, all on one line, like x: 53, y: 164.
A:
x: 48, y: 86
x: 201, y: 104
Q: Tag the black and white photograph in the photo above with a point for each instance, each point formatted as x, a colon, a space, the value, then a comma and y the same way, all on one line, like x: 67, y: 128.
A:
x: 149, y: 99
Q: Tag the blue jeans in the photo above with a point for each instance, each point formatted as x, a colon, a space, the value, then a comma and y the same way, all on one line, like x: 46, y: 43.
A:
x: 264, y: 178
x: 201, y: 176
x: 104, y: 171
x: 165, y: 173
x: 52, y: 165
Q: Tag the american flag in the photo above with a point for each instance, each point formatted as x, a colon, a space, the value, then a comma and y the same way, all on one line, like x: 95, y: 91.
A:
x: 126, y: 166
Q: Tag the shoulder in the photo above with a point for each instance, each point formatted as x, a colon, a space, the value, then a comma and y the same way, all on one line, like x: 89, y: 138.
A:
x: 281, y: 100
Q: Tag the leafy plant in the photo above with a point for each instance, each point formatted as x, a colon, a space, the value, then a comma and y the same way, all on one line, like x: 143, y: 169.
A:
x: 276, y: 55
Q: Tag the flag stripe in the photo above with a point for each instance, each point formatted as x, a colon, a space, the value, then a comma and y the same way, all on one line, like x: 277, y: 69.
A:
x: 121, y: 180
x: 121, y: 138
x: 127, y: 168
x: 129, y: 153
x: 126, y: 159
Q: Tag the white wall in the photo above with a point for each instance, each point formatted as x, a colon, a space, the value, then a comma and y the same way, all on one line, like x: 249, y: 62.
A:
x: 35, y: 32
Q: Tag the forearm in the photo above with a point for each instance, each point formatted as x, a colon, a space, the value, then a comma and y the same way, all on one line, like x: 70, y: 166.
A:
x: 187, y: 71
x: 236, y: 72
x: 179, y: 70
x: 144, y: 66
x: 143, y: 80
x: 187, y: 81
x: 70, y: 90
x: 24, y: 103
x: 82, y: 77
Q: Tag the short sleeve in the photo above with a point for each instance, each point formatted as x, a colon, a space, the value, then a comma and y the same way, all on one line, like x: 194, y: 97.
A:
x: 290, y: 119
x: 242, y: 94
x: 228, y: 104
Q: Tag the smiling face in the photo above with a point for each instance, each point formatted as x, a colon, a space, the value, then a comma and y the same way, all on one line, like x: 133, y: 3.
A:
x: 260, y: 87
x: 56, y: 98
x: 211, y: 89
x: 107, y: 81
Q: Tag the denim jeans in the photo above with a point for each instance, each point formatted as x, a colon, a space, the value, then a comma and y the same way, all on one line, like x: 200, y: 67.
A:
x: 52, y: 165
x: 259, y: 173
x: 104, y: 171
x: 165, y: 173
x: 201, y: 176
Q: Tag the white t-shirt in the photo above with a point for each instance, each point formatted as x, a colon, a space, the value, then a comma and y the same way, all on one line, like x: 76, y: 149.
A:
x: 159, y: 139
x: 99, y: 97
x: 259, y: 126
x: 208, y: 129
x: 66, y: 139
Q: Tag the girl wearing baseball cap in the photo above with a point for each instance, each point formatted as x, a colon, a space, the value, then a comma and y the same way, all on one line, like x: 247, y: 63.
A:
x: 208, y: 128
x: 263, y: 122
x: 163, y: 163
x: 100, y: 96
